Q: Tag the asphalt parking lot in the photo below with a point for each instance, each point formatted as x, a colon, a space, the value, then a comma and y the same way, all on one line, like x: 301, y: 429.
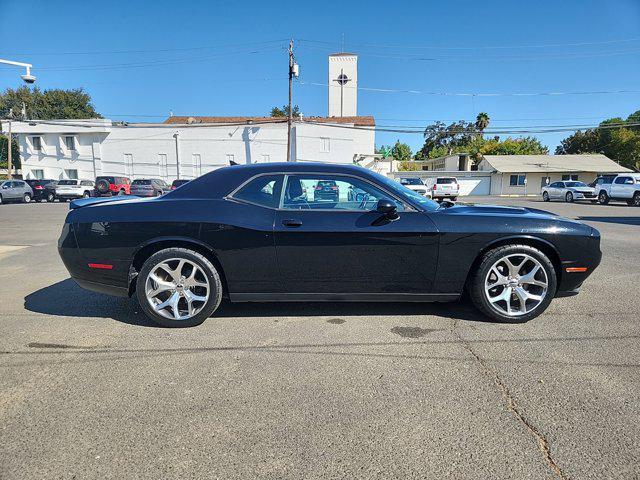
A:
x: 89, y: 389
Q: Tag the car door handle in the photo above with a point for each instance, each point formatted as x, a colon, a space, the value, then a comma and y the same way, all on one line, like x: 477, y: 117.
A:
x: 292, y: 223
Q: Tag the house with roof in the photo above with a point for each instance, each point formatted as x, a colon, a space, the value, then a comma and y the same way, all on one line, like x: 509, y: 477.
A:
x: 527, y: 174
x: 513, y: 174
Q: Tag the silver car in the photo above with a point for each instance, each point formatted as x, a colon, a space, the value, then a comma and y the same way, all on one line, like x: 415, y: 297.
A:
x: 568, y: 191
x: 15, y: 191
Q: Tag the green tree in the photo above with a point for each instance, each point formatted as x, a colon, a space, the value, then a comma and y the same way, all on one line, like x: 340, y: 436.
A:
x: 513, y: 146
x: 409, y: 166
x: 446, y: 138
x: 284, y: 111
x: 401, y: 152
x: 482, y: 122
x: 15, y: 153
x: 48, y: 104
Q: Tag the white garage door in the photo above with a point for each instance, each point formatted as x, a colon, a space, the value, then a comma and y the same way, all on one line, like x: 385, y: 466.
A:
x: 475, y: 185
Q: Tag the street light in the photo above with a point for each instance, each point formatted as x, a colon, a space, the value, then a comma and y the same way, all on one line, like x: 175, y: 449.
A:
x: 28, y: 79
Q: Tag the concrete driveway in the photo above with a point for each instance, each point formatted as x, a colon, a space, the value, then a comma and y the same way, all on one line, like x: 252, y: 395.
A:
x: 89, y: 389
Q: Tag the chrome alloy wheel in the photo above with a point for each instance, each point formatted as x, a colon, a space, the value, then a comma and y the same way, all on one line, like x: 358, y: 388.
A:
x: 177, y: 289
x: 516, y: 284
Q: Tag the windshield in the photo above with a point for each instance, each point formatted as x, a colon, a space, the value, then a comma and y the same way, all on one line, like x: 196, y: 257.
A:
x: 402, y: 191
x: 575, y: 184
x: 446, y: 181
x: 68, y: 182
x: 411, y: 181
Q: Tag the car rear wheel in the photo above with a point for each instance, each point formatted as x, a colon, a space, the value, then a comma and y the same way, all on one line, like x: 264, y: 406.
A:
x: 513, y: 283
x: 50, y: 197
x: 636, y: 200
x: 569, y: 197
x: 0, y: 199
x: 26, y: 198
x: 121, y: 192
x: 545, y: 196
x: 177, y: 287
x: 603, y: 198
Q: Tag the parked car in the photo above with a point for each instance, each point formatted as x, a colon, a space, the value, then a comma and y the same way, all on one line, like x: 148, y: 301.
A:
x: 178, y: 183
x: 15, y: 191
x: 44, y: 189
x: 624, y: 187
x: 444, y: 187
x: 110, y: 186
x: 417, y: 185
x: 70, y: 189
x: 569, y: 191
x: 326, y: 190
x: 149, y: 187
x: 246, y: 233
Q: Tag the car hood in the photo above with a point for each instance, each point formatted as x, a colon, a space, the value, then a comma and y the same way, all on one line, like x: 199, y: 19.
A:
x: 500, y: 211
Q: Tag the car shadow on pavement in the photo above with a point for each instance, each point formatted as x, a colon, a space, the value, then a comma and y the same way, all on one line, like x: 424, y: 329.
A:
x: 621, y: 220
x: 67, y: 299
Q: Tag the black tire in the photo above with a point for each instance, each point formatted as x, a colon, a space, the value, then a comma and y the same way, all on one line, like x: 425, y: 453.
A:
x: 102, y: 186
x: 603, y: 198
x: 86, y: 194
x: 121, y: 192
x: 568, y: 197
x: 477, y: 279
x: 636, y: 199
x: 0, y: 199
x: 50, y: 197
x: 545, y: 196
x: 26, y: 198
x: 215, y: 296
x: 454, y: 199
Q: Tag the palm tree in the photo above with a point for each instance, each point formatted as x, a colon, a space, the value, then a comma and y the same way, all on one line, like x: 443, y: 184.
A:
x: 482, y: 122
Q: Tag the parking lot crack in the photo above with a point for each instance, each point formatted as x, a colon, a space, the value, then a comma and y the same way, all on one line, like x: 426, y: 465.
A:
x: 512, y: 406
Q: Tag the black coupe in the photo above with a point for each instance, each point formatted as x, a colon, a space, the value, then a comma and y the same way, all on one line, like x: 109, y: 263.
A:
x: 258, y: 233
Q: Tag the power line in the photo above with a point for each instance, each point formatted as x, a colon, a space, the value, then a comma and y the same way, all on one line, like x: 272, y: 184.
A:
x: 161, y: 50
x: 480, y: 47
x: 475, y: 94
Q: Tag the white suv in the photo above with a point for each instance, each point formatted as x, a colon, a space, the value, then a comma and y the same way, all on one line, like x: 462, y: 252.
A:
x: 444, y: 187
x: 417, y: 185
x: 625, y: 187
x: 69, y: 189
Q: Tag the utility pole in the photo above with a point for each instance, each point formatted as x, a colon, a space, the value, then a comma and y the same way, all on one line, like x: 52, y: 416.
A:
x: 10, y: 144
x: 290, y: 116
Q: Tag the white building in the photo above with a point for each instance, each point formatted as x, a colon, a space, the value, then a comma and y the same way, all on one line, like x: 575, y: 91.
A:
x: 186, y: 147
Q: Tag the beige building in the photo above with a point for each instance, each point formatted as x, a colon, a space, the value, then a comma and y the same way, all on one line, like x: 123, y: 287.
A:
x: 527, y: 174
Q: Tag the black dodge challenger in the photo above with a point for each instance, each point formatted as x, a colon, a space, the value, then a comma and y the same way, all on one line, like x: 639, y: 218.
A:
x: 258, y: 233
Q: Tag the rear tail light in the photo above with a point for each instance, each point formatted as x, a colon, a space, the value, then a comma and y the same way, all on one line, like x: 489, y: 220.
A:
x: 318, y: 187
x: 334, y: 188
x: 38, y: 187
x: 173, y: 187
x: 101, y: 266
x: 435, y: 187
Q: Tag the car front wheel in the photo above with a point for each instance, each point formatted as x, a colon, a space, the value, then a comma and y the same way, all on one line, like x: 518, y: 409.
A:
x: 26, y: 198
x: 178, y: 287
x: 636, y: 199
x: 603, y: 198
x: 569, y: 197
x: 513, y: 283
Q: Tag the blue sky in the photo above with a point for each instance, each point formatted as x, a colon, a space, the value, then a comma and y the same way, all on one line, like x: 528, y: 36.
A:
x: 141, y: 59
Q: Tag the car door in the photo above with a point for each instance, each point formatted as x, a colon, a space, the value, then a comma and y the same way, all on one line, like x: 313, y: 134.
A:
x: 621, y: 187
x: 344, y: 246
x: 13, y: 192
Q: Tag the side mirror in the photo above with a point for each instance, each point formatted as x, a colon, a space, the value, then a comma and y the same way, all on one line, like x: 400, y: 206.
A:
x: 387, y: 208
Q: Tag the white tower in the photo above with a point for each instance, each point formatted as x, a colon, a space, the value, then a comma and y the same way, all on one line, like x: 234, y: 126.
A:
x: 343, y: 85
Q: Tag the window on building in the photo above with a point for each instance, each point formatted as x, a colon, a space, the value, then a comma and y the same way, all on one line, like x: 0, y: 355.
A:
x: 266, y: 158
x: 572, y: 176
x: 325, y: 145
x: 71, y: 173
x: 519, y: 180
x: 196, y: 161
x: 162, y: 165
x: 37, y: 143
x: 38, y: 174
x: 231, y: 159
x: 128, y: 164
x: 70, y: 142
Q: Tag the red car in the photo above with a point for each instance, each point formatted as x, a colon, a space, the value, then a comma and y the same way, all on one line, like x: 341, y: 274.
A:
x: 110, y: 186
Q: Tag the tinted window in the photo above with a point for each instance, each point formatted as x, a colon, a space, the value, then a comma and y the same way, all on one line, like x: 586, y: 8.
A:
x: 329, y: 192
x: 411, y: 181
x: 68, y: 182
x: 621, y: 180
x: 445, y: 181
x: 86, y: 183
x: 177, y: 183
x: 556, y: 185
x: 575, y: 184
x: 264, y: 190
x: 141, y: 182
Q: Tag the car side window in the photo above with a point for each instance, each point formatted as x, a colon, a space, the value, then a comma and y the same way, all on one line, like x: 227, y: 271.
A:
x: 263, y: 190
x: 622, y: 180
x: 332, y: 192
x: 555, y: 185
